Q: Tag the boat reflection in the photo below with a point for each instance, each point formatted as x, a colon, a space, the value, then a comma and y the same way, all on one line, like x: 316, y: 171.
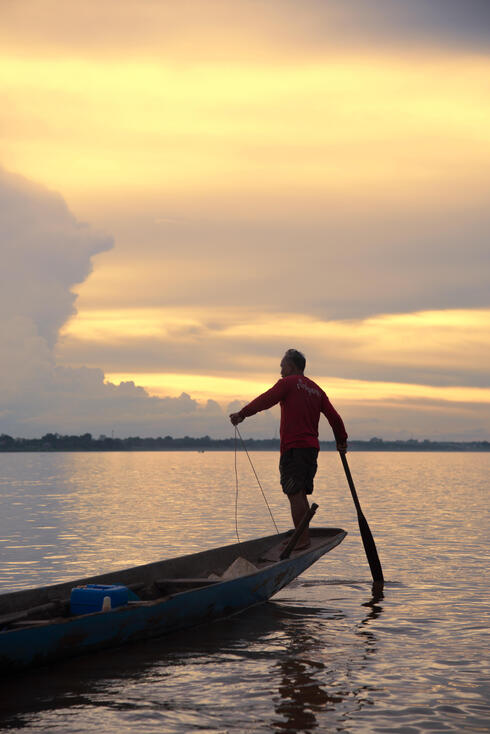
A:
x: 289, y: 654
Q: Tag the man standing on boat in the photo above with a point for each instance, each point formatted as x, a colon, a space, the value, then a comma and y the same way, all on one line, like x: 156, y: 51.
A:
x: 302, y: 401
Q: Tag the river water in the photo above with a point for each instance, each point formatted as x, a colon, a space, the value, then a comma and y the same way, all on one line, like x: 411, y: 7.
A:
x: 323, y: 656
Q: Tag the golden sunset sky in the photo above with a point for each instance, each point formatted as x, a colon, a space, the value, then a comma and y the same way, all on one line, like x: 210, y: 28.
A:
x: 245, y: 177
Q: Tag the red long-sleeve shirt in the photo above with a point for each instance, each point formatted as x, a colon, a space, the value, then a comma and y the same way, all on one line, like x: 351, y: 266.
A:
x: 302, y: 401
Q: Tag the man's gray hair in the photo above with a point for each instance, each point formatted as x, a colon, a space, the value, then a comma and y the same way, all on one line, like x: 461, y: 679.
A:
x: 297, y: 358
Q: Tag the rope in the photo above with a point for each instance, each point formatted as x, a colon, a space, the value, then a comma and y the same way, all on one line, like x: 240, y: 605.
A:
x: 256, y: 477
x: 236, y: 490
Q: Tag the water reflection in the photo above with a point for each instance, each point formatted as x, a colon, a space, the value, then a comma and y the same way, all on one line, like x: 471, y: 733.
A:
x: 309, y: 685
x: 301, y: 694
x: 326, y: 657
x: 68, y: 515
x: 295, y: 662
x: 377, y: 595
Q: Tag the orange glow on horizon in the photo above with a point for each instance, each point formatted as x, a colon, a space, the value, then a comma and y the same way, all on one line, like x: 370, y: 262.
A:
x: 389, y: 339
x: 224, y: 389
x: 385, y: 340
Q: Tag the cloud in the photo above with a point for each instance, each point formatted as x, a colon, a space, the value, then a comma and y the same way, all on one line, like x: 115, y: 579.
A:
x: 45, y: 251
x: 336, y: 261
x: 38, y: 394
x: 420, y: 348
x: 405, y: 418
x: 245, y: 27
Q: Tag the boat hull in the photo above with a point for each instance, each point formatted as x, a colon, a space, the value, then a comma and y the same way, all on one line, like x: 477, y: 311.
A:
x: 66, y: 637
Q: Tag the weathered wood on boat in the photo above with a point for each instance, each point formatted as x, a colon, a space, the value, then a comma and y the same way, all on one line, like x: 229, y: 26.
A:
x: 165, y: 584
x: 54, y: 606
x: 187, y: 598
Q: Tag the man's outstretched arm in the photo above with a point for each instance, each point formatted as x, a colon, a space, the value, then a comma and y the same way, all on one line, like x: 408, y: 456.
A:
x: 263, y: 402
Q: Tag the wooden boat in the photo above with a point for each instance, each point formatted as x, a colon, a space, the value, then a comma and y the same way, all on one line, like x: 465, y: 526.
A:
x: 37, y: 626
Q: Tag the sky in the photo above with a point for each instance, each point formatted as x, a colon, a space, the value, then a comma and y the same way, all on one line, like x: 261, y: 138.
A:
x: 189, y: 189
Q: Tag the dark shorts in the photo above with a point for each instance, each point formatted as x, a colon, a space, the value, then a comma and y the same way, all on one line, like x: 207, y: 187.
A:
x: 297, y: 468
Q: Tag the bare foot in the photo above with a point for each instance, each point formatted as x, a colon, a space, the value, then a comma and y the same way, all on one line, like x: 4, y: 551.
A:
x: 303, y: 546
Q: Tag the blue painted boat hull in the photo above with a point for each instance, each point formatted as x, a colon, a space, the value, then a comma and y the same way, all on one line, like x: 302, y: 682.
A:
x: 66, y: 637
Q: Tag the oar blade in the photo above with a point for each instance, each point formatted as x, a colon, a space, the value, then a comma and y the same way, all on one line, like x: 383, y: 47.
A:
x: 366, y: 535
x: 371, y: 551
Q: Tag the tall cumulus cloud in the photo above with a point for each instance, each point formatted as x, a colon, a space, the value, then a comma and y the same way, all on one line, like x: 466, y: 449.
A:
x: 45, y: 251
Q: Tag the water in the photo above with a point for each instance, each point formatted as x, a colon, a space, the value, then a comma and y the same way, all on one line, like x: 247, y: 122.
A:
x: 323, y: 656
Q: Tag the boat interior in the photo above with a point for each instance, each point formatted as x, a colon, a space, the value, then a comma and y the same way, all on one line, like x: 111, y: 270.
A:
x: 161, y: 579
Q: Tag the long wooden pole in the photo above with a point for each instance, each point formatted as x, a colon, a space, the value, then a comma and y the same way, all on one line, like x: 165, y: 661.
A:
x: 299, y: 531
x: 366, y: 535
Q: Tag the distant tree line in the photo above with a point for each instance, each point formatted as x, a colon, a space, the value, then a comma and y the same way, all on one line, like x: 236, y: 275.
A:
x: 86, y: 442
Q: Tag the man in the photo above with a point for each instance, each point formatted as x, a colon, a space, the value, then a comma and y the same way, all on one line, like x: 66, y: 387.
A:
x: 302, y: 401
